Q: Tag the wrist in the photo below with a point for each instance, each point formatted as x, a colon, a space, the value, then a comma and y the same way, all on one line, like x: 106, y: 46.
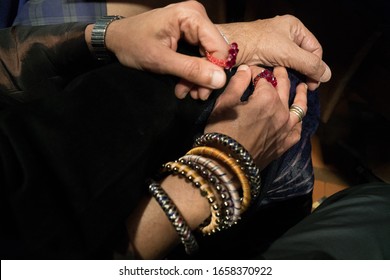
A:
x: 194, y: 208
x: 229, y: 32
x: 96, y: 37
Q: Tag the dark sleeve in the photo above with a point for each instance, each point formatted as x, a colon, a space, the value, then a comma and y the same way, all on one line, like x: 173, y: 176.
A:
x: 31, y: 57
x: 353, y: 224
x: 73, y: 164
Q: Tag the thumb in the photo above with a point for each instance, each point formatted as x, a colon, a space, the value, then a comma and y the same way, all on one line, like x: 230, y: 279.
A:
x: 193, y: 69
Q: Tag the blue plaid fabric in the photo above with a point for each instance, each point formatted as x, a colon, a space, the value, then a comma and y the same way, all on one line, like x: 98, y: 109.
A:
x: 43, y: 12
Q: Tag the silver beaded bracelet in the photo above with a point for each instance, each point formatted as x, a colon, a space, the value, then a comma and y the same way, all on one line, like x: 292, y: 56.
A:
x: 174, y: 216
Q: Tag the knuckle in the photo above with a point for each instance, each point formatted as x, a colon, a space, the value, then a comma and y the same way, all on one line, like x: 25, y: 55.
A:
x: 192, y: 70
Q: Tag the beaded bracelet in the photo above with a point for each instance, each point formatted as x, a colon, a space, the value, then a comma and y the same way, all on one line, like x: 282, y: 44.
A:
x: 232, y: 164
x: 231, y: 203
x: 177, y: 168
x: 239, y: 152
x: 174, y: 216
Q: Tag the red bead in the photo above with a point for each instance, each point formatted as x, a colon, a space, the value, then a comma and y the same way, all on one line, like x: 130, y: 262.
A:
x: 268, y: 75
x: 226, y: 63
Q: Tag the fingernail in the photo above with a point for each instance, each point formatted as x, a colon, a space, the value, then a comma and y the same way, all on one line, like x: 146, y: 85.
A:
x: 305, y: 85
x: 243, y: 67
x: 218, y: 79
x: 327, y: 74
x: 181, y: 95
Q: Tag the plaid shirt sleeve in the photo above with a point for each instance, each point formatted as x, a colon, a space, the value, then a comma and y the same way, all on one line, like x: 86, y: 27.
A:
x: 38, y: 12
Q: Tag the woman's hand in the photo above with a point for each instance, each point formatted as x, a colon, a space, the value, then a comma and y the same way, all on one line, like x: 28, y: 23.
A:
x: 149, y: 41
x: 263, y: 124
x: 279, y: 41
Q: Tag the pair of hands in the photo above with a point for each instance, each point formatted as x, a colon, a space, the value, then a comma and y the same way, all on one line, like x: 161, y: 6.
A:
x: 148, y: 41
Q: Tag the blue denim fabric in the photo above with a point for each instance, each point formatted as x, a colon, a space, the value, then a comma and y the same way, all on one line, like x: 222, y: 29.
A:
x: 42, y: 12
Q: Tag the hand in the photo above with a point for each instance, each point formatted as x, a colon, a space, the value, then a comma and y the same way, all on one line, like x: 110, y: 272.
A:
x: 263, y: 124
x: 149, y: 41
x: 279, y: 41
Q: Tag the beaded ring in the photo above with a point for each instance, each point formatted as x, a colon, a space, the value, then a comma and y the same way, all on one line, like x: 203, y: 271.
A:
x: 239, y: 152
x: 230, y: 197
x: 232, y: 164
x: 174, y: 216
x: 225, y: 63
x: 266, y: 74
x: 177, y: 168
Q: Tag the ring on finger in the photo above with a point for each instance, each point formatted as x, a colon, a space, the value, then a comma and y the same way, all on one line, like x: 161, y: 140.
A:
x: 297, y: 111
x: 265, y: 74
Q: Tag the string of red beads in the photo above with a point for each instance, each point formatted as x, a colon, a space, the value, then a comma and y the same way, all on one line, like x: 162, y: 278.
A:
x: 265, y: 74
x: 225, y: 63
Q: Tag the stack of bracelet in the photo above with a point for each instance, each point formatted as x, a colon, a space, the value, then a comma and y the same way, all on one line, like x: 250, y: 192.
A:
x: 228, y: 181
x: 239, y: 153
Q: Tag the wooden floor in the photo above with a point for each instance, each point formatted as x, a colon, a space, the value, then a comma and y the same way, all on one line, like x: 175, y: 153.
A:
x: 327, y: 179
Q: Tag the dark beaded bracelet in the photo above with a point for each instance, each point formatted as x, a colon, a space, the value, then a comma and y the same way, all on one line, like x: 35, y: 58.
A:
x: 209, y: 170
x: 239, y: 153
x: 174, y: 216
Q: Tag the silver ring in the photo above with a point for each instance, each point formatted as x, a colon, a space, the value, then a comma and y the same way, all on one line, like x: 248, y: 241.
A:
x: 297, y: 111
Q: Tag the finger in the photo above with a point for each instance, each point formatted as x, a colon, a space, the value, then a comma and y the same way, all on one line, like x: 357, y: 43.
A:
x: 309, y: 64
x: 309, y: 43
x: 182, y: 88
x: 193, y: 69
x: 198, y: 29
x: 236, y: 87
x: 261, y: 83
x: 300, y: 100
x: 294, y: 136
x: 312, y: 84
x: 194, y: 93
x: 204, y: 93
x: 283, y: 86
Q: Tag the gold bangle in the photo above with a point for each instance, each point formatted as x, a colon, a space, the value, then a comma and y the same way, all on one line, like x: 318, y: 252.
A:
x: 234, y: 167
x: 177, y: 168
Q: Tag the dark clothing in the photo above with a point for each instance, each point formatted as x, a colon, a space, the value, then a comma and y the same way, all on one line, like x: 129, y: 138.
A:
x: 78, y: 141
x: 353, y: 224
x: 8, y: 11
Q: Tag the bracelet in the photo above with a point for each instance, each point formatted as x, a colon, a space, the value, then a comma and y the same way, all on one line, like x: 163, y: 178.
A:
x: 210, y: 225
x: 240, y: 153
x: 231, y: 205
x: 174, y: 216
x: 234, y: 167
x: 98, y: 37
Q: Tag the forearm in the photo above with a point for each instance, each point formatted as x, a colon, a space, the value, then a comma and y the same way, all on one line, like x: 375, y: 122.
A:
x: 151, y: 234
